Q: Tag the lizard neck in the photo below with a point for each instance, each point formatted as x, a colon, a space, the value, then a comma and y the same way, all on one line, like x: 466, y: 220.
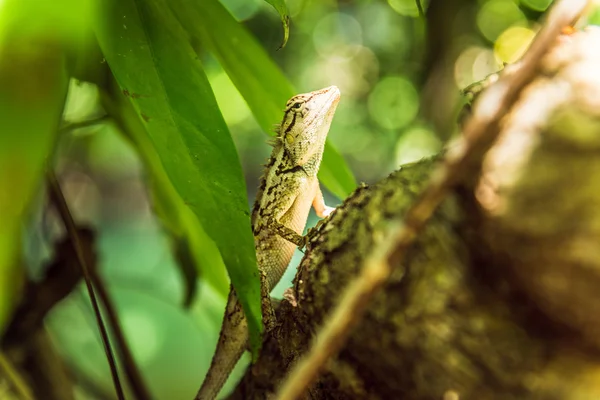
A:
x: 311, y: 167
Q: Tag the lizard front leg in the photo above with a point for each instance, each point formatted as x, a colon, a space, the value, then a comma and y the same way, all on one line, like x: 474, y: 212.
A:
x: 322, y: 211
x: 286, y: 233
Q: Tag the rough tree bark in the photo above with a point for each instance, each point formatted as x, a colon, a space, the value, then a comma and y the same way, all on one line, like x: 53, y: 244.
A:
x: 499, y: 298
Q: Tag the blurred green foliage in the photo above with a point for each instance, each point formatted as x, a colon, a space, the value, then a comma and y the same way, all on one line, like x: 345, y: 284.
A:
x: 30, y: 107
x: 190, y: 88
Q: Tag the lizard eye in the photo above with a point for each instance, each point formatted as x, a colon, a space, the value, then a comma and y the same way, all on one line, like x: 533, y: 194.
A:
x: 296, y: 106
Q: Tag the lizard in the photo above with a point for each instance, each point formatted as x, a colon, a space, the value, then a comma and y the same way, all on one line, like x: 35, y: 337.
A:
x: 288, y: 188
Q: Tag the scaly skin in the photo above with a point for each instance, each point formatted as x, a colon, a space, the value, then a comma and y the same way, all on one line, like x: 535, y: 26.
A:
x: 288, y: 188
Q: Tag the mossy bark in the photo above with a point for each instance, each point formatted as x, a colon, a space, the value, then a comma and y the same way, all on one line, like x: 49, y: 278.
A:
x: 499, y: 297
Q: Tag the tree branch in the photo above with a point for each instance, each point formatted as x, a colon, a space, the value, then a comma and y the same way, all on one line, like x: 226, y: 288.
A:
x: 479, y: 134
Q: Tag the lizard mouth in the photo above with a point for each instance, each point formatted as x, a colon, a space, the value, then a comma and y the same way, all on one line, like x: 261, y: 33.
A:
x: 330, y: 97
x: 334, y: 94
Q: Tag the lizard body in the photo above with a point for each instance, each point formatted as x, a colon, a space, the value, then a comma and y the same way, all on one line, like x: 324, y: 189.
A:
x: 288, y: 188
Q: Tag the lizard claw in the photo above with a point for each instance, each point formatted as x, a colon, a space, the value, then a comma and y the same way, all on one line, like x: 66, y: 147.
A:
x: 328, y: 210
x: 313, y: 231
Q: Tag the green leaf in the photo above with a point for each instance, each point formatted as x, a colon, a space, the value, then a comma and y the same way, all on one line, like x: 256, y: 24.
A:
x: 256, y: 76
x: 338, y: 176
x: 159, y: 74
x: 192, y: 243
x: 33, y: 86
x: 284, y: 13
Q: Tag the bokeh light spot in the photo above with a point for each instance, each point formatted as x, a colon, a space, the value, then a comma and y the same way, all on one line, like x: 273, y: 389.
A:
x: 394, y: 102
x: 416, y: 143
x: 337, y: 31
x: 594, y: 17
x: 145, y: 331
x: 496, y: 16
x: 474, y: 64
x: 379, y: 22
x: 512, y: 43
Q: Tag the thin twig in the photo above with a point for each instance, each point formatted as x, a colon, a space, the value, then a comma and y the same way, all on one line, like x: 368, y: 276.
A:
x: 63, y: 210
x: 69, y: 126
x: 136, y: 381
x: 479, y: 134
x: 14, y: 378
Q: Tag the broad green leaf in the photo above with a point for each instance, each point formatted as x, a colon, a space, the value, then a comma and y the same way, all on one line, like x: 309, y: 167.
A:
x: 337, y: 177
x: 192, y: 243
x: 284, y: 13
x: 33, y: 86
x: 159, y: 74
x: 256, y: 76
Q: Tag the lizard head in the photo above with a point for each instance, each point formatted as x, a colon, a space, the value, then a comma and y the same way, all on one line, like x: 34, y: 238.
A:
x: 305, y: 125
